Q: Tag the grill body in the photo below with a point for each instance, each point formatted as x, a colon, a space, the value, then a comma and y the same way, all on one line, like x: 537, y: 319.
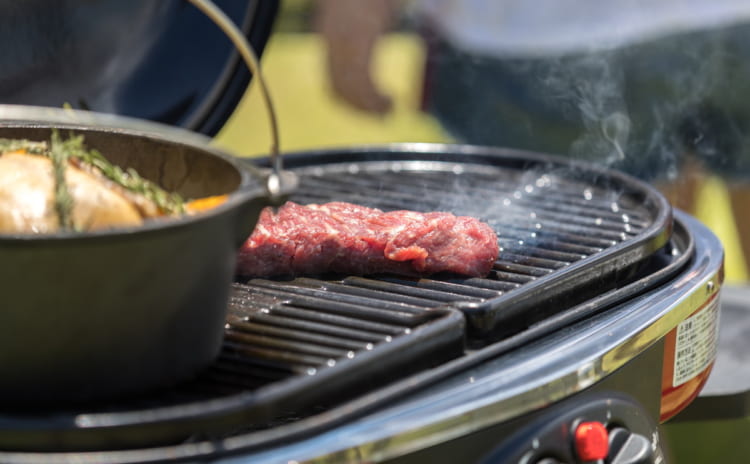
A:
x: 469, y: 416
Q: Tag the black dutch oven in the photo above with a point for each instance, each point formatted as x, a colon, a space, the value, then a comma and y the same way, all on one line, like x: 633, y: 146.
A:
x: 101, y: 314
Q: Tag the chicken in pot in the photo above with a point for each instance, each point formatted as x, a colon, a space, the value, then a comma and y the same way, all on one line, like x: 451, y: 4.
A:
x: 59, y: 185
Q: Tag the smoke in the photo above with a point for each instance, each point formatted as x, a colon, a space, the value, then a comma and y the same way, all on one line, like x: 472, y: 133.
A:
x: 595, y: 96
x: 641, y: 107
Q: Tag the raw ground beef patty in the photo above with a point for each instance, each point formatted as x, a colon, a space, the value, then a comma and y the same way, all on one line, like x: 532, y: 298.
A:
x: 349, y: 239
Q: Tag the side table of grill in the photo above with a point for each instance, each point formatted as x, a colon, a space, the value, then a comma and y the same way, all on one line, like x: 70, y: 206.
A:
x: 715, y: 427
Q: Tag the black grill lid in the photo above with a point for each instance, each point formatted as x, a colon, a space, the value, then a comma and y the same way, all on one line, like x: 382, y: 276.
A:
x: 163, y: 61
x: 567, y: 230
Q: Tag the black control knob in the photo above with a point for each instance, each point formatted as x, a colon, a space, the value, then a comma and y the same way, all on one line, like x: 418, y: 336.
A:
x: 629, y: 448
x: 601, y: 428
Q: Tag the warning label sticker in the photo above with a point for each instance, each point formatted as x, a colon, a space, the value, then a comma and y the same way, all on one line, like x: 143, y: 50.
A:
x: 696, y: 343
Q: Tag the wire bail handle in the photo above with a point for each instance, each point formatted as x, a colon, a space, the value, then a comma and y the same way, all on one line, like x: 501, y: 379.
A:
x: 274, y: 181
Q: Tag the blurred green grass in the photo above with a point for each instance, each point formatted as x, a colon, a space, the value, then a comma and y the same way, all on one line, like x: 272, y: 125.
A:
x: 310, y: 117
x: 309, y: 114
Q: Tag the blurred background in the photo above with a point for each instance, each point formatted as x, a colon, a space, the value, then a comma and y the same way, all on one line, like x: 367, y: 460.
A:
x: 312, y: 117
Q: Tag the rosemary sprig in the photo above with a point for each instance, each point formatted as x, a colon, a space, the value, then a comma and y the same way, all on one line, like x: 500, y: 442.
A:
x: 63, y: 199
x: 170, y: 203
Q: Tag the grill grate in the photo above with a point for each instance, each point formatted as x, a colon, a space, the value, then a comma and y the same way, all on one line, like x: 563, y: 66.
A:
x: 564, y: 231
x: 290, y: 349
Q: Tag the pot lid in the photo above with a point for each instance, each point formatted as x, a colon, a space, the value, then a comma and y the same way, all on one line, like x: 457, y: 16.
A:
x: 161, y: 61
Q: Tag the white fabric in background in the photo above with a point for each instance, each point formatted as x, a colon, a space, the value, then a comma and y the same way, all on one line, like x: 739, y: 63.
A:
x: 546, y: 27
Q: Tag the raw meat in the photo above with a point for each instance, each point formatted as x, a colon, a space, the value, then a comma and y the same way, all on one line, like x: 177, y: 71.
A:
x: 349, y: 239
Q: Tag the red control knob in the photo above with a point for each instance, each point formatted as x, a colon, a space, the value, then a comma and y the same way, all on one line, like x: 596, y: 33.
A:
x: 591, y: 441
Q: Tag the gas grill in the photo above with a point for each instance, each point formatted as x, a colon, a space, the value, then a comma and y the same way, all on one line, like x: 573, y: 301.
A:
x: 600, y: 313
x: 577, y: 322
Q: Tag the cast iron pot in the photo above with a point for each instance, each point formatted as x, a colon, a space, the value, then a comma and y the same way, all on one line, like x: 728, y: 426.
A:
x: 88, y: 316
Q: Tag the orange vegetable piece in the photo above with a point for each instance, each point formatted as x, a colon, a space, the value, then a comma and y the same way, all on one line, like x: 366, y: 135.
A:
x: 205, y: 203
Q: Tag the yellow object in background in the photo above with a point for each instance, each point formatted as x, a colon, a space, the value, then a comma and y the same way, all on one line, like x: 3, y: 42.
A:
x: 713, y: 209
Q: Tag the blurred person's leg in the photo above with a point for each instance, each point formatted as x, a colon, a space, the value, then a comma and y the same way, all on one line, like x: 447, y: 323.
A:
x: 719, y: 130
x: 740, y: 198
x: 500, y: 102
x: 577, y: 106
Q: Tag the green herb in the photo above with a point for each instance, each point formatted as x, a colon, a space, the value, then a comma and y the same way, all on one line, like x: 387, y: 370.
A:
x: 63, y: 199
x: 129, y: 179
x: 36, y: 148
